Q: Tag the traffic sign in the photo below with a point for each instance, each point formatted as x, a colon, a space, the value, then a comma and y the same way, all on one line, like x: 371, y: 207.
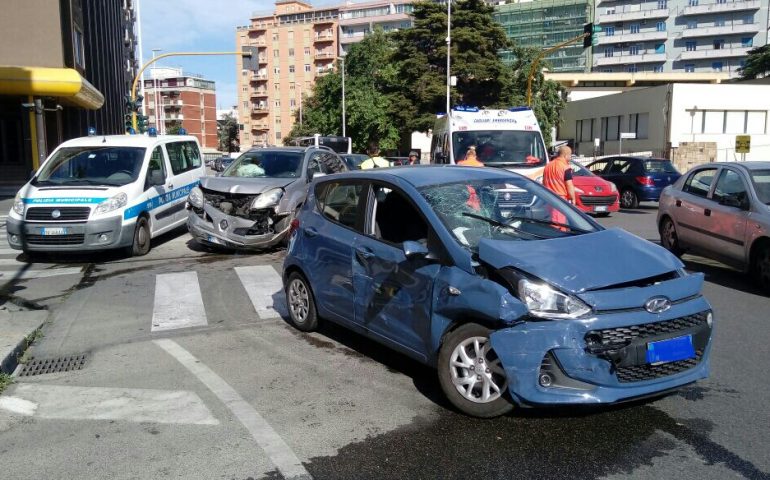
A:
x: 628, y: 135
x: 742, y: 143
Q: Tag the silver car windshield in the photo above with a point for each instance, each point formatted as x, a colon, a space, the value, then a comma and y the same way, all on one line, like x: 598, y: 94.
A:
x: 74, y: 166
x: 761, y: 179
x: 267, y: 164
x: 516, y: 209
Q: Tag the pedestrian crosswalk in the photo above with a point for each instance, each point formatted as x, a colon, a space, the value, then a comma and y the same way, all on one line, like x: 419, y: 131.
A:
x: 11, y: 268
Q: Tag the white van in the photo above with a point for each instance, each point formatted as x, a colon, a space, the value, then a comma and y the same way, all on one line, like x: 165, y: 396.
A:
x: 106, y: 192
x: 509, y: 139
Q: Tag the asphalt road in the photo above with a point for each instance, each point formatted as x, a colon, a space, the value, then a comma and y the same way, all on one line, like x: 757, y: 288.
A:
x: 239, y: 394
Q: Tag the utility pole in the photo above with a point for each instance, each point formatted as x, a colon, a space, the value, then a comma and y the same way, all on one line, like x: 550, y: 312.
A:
x: 342, y: 63
x: 448, y: 55
x: 139, y: 47
x: 155, y: 93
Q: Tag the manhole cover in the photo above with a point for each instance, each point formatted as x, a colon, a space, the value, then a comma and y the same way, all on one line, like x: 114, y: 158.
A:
x: 53, y: 365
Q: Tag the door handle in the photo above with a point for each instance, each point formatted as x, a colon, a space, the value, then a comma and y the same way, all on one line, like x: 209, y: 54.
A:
x: 364, y: 253
x: 707, y: 212
x: 678, y: 203
x: 310, y: 232
x: 170, y: 185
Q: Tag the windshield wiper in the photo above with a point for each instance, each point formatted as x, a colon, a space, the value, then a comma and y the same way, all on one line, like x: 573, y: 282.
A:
x: 501, y: 225
x: 572, y: 230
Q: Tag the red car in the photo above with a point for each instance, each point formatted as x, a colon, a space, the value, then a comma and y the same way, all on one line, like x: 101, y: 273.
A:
x: 594, y: 194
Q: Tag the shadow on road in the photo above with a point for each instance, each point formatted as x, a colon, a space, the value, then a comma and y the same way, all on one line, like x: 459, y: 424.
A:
x: 722, y: 274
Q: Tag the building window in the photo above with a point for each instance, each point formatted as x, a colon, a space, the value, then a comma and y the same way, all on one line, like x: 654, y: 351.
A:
x: 639, y: 124
x: 660, y: 48
x: 307, y: 67
x: 607, y: 70
x: 275, y: 37
x: 277, y: 87
x: 689, y: 67
x: 307, y: 51
x: 276, y: 70
x: 634, y: 28
x: 276, y: 53
x: 747, y: 42
x: 292, y: 103
x: 690, y: 46
x: 245, y: 105
x: 657, y: 69
x: 719, y: 22
x: 662, y: 4
x: 692, y: 3
x: 244, y: 72
x: 291, y: 68
x: 609, y: 52
x: 633, y: 50
x: 748, y: 19
x: 632, y: 69
x: 278, y: 103
x: 291, y: 53
x: 609, y: 31
x: 291, y: 35
x: 716, y: 66
x: 719, y: 44
x: 277, y: 120
x: 278, y: 136
x: 79, y: 50
x: 661, y: 26
x: 292, y: 86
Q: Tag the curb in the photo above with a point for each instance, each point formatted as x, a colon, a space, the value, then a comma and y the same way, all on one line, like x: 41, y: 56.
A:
x: 14, y: 329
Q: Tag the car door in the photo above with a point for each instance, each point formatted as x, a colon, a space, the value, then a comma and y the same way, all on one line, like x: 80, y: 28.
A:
x: 160, y: 221
x: 689, y: 210
x: 616, y: 172
x: 328, y: 233
x: 727, y: 223
x: 392, y: 292
x: 186, y: 169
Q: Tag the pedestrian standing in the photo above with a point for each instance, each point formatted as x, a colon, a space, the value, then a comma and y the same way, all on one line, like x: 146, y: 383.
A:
x: 557, y: 175
x: 470, y: 159
x: 414, y: 158
x: 374, y: 160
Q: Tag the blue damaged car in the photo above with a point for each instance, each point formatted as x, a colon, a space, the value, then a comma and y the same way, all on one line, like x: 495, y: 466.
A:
x: 514, y: 296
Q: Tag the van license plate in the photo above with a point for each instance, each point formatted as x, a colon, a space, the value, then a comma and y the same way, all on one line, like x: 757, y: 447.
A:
x: 671, y: 350
x: 53, y: 231
x: 600, y: 208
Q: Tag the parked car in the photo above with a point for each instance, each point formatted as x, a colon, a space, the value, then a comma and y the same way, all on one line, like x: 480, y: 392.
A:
x: 354, y: 160
x: 252, y: 203
x: 106, y: 192
x: 221, y: 163
x: 510, y: 309
x: 594, y: 194
x: 638, y: 179
x: 720, y: 211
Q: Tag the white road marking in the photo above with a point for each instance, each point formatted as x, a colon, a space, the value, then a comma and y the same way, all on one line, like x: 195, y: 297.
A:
x: 265, y: 289
x: 11, y: 261
x: 97, y: 403
x: 8, y: 251
x: 30, y: 274
x: 280, y: 454
x: 178, y: 302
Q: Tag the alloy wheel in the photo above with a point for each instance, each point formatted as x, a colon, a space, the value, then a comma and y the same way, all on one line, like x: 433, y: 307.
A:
x: 628, y: 199
x: 476, y: 371
x: 299, y: 301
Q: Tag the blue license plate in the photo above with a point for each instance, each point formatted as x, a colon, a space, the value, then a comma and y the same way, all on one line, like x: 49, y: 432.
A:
x: 671, y: 350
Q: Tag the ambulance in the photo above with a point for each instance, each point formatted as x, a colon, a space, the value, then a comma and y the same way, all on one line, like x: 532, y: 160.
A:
x: 509, y: 139
x: 106, y: 192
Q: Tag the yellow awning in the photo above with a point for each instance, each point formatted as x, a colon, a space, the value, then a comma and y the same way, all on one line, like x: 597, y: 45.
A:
x: 64, y: 83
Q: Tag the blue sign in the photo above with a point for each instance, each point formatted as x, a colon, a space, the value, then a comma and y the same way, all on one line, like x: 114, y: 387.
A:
x: 159, y: 201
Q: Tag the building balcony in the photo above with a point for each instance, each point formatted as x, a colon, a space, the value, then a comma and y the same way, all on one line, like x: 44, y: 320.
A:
x: 628, y: 15
x: 324, y: 37
x: 325, y: 55
x: 714, y: 7
x: 259, y: 127
x: 323, y: 71
x: 259, y: 27
x: 375, y: 19
x: 259, y: 109
x: 725, y: 30
x: 259, y: 93
x: 262, y: 60
x: 172, y: 117
x: 258, y: 77
x: 257, y: 43
x: 715, y: 53
x: 628, y: 59
x: 172, y: 104
x: 632, y: 37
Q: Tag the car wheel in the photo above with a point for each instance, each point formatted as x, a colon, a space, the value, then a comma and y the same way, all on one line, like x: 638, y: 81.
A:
x: 669, y: 238
x: 300, y: 303
x: 142, y: 240
x: 471, y: 374
x: 761, y: 268
x: 628, y: 199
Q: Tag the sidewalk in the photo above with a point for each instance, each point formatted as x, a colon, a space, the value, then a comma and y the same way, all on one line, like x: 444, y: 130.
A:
x: 15, y: 326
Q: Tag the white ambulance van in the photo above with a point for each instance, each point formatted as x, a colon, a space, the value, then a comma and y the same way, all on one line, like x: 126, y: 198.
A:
x: 509, y: 139
x: 106, y: 192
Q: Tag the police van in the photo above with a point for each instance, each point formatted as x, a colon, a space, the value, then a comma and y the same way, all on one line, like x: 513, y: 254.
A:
x: 106, y: 192
x: 509, y: 139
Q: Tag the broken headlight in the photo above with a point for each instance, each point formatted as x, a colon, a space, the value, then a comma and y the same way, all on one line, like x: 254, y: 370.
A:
x: 267, y: 199
x: 545, y: 302
x: 196, y: 198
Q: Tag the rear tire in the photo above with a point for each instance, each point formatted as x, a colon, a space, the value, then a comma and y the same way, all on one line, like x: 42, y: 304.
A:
x: 628, y: 199
x: 470, y: 373
x: 300, y: 303
x: 669, y: 238
x: 142, y: 240
x: 761, y: 268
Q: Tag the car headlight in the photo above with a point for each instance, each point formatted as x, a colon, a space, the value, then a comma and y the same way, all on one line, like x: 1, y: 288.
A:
x: 196, y: 198
x: 18, y: 205
x: 545, y: 302
x: 613, y: 188
x: 267, y: 199
x: 114, y: 203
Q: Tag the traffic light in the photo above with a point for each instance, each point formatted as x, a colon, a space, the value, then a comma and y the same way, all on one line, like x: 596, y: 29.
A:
x: 138, y: 103
x: 590, y: 30
x: 128, y: 123
x: 142, y: 121
x: 250, y: 58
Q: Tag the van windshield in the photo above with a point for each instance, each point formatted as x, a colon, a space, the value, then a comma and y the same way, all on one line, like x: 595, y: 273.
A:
x: 501, y: 148
x: 76, y: 166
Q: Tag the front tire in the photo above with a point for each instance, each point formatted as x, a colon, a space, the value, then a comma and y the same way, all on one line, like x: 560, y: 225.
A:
x: 470, y: 373
x: 142, y: 240
x: 669, y: 238
x: 761, y: 268
x: 628, y: 199
x: 300, y: 303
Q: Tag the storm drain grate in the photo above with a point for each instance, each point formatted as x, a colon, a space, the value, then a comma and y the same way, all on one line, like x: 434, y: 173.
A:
x: 53, y: 365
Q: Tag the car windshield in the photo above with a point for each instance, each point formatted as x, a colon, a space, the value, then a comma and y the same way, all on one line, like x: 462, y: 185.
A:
x: 659, y: 166
x: 501, y: 148
x: 579, y: 170
x: 761, y: 179
x: 515, y: 209
x: 106, y: 166
x: 266, y: 164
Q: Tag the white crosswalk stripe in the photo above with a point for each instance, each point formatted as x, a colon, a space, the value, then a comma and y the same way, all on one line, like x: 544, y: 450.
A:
x: 265, y: 289
x: 10, y: 267
x: 178, y: 302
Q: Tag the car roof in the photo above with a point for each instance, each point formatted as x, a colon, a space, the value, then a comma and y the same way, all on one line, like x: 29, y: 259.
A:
x: 425, y: 175
x: 285, y: 149
x: 126, y: 140
x: 750, y: 165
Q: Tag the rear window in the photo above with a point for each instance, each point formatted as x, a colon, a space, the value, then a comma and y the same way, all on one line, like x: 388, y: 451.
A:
x: 659, y: 166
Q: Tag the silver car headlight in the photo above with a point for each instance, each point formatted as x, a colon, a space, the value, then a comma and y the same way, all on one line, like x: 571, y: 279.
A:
x: 118, y: 201
x: 18, y: 205
x: 267, y: 199
x: 196, y: 198
x: 546, y: 302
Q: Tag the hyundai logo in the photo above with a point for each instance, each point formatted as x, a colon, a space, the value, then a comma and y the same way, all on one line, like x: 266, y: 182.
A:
x: 56, y: 214
x: 657, y: 304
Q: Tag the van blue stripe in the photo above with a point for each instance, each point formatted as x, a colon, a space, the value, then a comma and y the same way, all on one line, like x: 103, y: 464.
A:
x: 61, y: 200
x: 159, y: 201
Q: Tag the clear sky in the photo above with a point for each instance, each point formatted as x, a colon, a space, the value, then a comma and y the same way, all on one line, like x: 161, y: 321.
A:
x: 202, y: 25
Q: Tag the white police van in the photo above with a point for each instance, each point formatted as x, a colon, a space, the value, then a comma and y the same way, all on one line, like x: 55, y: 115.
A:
x: 106, y: 192
x: 508, y: 138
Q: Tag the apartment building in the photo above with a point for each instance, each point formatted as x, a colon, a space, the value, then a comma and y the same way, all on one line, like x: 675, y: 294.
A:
x: 357, y: 20
x: 296, y: 44
x: 678, y: 35
x: 176, y: 98
x: 546, y: 23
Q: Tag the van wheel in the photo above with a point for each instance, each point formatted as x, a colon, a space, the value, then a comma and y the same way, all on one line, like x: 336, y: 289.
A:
x: 142, y: 240
x: 470, y: 373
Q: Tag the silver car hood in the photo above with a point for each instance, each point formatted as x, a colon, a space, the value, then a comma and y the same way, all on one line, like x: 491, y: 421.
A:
x: 243, y: 184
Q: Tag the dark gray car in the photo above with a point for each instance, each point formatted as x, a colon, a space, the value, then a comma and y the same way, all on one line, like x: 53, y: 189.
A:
x: 252, y: 203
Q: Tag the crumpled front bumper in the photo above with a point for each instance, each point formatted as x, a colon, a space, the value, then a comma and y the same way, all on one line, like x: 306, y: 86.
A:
x: 212, y: 233
x: 589, y: 377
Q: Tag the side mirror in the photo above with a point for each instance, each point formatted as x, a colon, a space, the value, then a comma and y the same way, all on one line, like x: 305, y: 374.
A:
x: 311, y: 174
x: 414, y: 249
x: 156, y: 178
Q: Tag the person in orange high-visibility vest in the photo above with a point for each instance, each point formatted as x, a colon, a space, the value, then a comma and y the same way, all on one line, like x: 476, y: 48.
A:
x: 557, y: 176
x: 470, y: 159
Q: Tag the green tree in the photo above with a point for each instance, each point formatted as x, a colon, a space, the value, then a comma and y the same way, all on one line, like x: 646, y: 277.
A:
x: 173, y: 127
x: 757, y: 63
x: 227, y: 133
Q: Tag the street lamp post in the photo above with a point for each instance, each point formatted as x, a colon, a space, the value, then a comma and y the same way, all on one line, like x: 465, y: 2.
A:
x: 448, y: 54
x: 342, y: 64
x: 155, y: 92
